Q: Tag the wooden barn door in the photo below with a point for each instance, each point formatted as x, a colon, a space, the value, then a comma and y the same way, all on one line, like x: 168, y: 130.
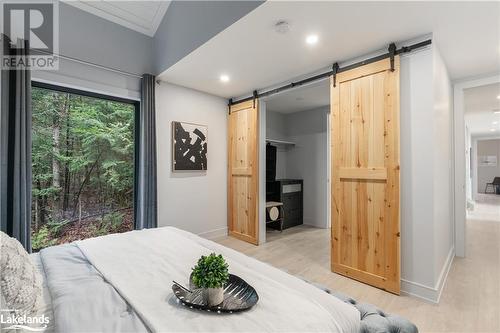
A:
x: 365, y: 174
x: 243, y: 171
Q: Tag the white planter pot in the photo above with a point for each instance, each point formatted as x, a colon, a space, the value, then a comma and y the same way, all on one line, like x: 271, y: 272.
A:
x: 213, y: 296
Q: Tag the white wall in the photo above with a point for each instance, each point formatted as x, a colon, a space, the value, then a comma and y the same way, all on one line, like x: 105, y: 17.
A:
x: 485, y: 174
x: 468, y: 163
x: 192, y: 201
x: 443, y: 155
x: 417, y: 192
x: 474, y: 189
x: 426, y: 175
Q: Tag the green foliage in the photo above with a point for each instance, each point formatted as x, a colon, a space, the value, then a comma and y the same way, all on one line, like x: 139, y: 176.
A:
x: 42, y: 238
x: 55, y: 228
x: 88, y: 145
x: 210, y: 272
x: 112, y: 221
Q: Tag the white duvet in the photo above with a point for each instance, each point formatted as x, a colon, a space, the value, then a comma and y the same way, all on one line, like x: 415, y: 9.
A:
x: 142, y: 264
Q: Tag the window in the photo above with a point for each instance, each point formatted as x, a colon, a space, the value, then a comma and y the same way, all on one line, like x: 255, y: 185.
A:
x: 83, y: 152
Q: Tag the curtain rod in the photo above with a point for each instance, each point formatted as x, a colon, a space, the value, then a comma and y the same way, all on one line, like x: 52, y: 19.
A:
x: 335, y: 70
x: 92, y: 64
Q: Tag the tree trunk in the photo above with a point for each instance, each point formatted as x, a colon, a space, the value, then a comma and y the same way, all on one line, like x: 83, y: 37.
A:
x: 68, y: 154
x: 36, y: 214
x: 41, y: 204
x: 85, y: 180
x: 56, y: 129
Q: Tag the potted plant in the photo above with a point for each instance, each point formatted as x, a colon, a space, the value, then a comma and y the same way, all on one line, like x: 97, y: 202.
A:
x: 210, y: 274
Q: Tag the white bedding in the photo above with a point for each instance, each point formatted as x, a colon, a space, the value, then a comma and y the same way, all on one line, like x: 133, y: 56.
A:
x: 45, y: 306
x: 142, y: 264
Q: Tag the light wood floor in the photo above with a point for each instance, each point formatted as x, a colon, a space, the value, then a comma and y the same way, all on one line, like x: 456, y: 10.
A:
x: 471, y: 297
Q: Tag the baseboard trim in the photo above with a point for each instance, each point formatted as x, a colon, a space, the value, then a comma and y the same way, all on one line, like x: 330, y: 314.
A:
x: 443, y: 277
x: 214, y: 234
x: 430, y: 294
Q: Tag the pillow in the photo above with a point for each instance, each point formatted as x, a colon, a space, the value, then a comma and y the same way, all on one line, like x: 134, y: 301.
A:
x: 20, y: 285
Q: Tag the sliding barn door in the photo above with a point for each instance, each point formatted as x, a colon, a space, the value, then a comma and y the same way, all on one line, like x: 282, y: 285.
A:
x: 365, y: 174
x: 243, y: 171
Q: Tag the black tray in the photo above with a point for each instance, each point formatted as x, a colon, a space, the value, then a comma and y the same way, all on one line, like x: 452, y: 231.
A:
x: 238, y: 296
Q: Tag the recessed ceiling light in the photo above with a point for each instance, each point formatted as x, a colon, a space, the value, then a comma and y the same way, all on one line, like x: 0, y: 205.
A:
x: 498, y: 97
x: 312, y: 39
x: 495, y: 122
x: 496, y: 111
x: 224, y: 78
x: 492, y: 130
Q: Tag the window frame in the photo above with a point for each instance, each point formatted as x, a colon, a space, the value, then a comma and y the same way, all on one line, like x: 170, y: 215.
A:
x: 137, y: 110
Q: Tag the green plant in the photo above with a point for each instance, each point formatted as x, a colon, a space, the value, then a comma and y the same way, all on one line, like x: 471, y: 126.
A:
x: 210, y: 272
x: 113, y: 220
x: 55, y: 228
x: 42, y: 238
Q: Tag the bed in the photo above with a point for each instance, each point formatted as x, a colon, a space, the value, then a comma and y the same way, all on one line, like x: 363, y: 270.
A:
x: 122, y: 283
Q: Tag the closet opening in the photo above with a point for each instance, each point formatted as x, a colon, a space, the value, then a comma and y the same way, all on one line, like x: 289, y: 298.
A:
x: 297, y: 196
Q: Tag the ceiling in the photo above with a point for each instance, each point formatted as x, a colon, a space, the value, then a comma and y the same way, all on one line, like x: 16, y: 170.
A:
x: 300, y: 99
x: 480, y: 104
x: 141, y: 16
x: 255, y: 56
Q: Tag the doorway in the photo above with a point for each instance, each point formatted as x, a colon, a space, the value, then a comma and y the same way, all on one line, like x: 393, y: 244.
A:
x: 482, y: 138
x: 297, y: 161
x: 465, y: 151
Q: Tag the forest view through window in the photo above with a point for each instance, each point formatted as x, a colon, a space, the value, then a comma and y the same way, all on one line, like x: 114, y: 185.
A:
x: 83, y: 167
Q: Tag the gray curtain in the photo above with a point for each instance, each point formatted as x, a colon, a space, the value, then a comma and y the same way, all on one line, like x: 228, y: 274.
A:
x: 15, y: 148
x: 146, y: 215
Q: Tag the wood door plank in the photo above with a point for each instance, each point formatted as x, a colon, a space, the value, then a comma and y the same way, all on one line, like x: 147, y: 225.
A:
x: 392, y: 253
x: 378, y: 158
x: 365, y: 173
x: 243, y: 173
x: 373, y: 173
x: 336, y: 187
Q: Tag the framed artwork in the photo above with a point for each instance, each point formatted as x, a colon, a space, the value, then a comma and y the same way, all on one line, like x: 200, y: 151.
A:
x: 189, y: 146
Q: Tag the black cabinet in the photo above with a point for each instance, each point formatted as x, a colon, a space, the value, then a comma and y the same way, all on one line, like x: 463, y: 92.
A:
x: 290, y: 193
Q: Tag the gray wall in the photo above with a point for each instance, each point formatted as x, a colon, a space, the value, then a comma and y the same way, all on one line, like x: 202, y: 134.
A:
x: 94, y: 39
x: 307, y: 160
x: 90, y: 38
x: 485, y: 174
x: 276, y: 128
x: 189, y: 24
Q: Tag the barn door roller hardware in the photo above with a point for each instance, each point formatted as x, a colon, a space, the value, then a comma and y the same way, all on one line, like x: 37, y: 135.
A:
x: 392, y: 52
x: 335, y: 70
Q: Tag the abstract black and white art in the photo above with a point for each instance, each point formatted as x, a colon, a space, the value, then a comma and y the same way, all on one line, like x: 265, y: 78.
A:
x: 189, y: 146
